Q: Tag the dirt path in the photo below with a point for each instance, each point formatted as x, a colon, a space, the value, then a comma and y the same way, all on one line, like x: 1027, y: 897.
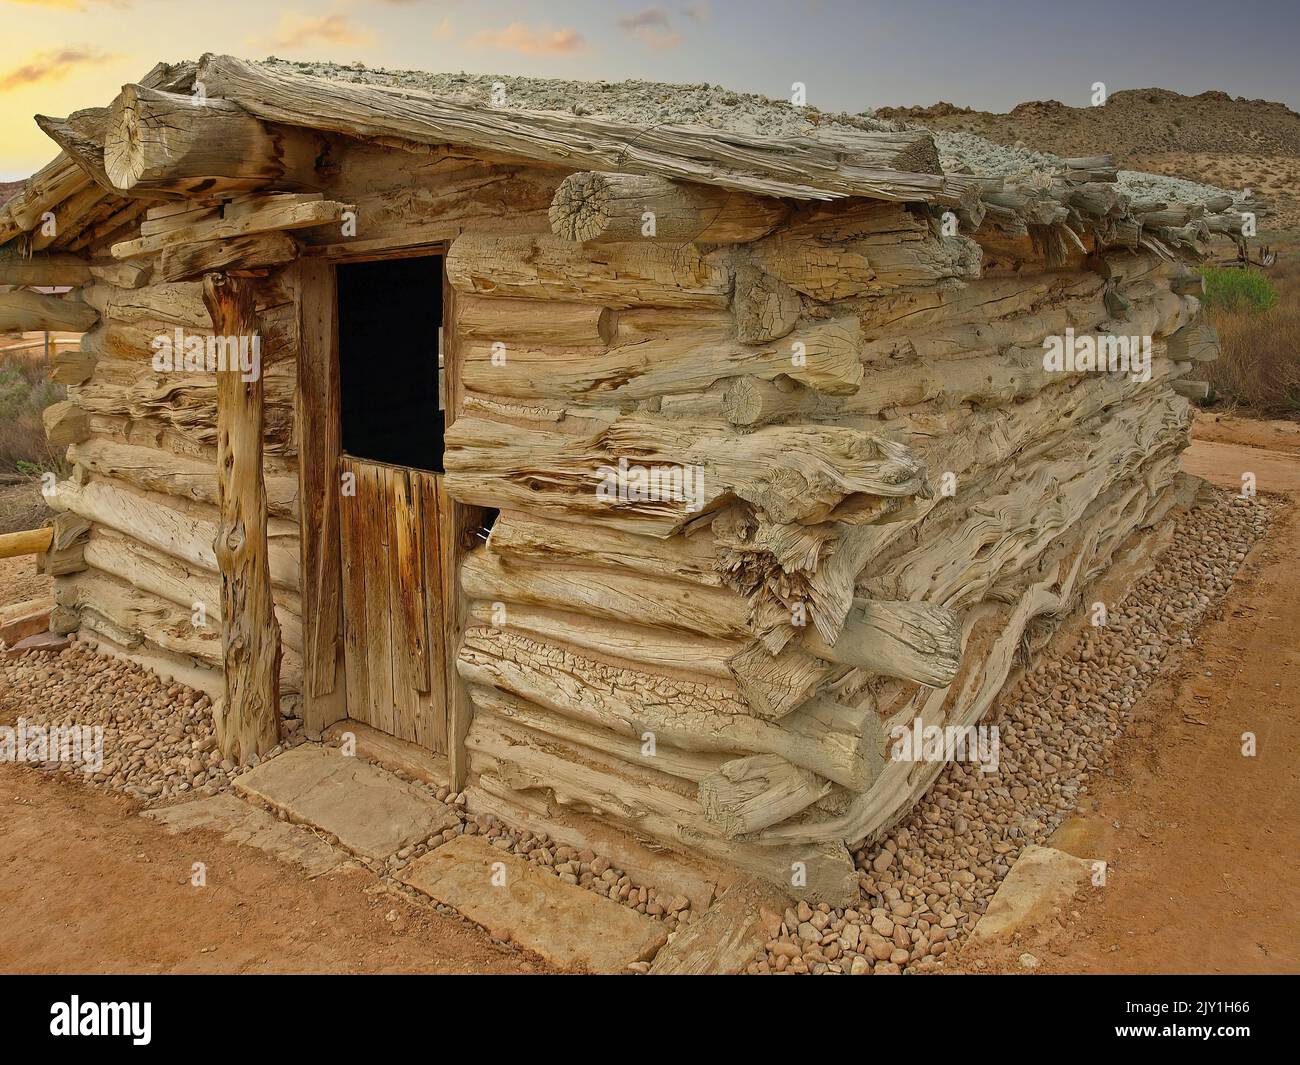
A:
x: 1201, y: 840
x: 88, y: 887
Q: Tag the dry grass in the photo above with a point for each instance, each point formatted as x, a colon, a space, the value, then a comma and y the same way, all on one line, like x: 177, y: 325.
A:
x: 25, y: 391
x: 1259, y: 361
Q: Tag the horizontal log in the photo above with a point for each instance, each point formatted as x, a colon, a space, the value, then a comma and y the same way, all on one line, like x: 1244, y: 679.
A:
x: 611, y: 207
x: 753, y: 401
x: 516, y: 322
x: 186, y: 403
x: 25, y: 542
x: 1198, y: 390
x: 525, y: 760
x: 604, y: 593
x: 66, y: 553
x: 65, y: 423
x: 822, y: 355
x: 72, y: 367
x: 176, y: 475
x: 190, y: 261
x: 614, y: 275
x: 918, y: 642
x: 792, y: 473
x: 169, y: 141
x: 180, y: 303
x: 243, y: 217
x: 749, y: 794
x: 22, y: 311
x: 179, y: 582
x: 694, y: 717
x: 518, y: 535
x: 136, y: 619
x: 900, y: 165
x: 864, y: 251
x: 184, y: 530
x: 133, y: 273
x: 688, y: 765
x: 56, y: 269
x: 1196, y: 341
x: 607, y: 638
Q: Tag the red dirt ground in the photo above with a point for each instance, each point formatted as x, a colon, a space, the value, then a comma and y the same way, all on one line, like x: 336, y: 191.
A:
x: 88, y: 887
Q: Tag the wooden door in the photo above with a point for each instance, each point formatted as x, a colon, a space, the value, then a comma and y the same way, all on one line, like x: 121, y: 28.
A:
x: 393, y: 600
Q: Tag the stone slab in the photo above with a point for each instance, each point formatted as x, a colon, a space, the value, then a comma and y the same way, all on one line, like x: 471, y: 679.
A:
x: 370, y: 811
x: 569, y: 927
x: 237, y: 822
x: 42, y: 642
x: 1042, y: 879
x: 727, y: 936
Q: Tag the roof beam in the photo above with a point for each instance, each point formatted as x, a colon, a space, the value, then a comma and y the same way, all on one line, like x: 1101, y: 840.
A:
x: 170, y: 142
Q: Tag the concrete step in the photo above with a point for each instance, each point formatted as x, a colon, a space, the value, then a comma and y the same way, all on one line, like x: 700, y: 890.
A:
x: 372, y: 812
x: 569, y: 927
x: 237, y: 822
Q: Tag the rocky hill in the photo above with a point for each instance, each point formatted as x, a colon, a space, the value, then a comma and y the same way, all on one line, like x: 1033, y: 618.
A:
x: 1234, y: 143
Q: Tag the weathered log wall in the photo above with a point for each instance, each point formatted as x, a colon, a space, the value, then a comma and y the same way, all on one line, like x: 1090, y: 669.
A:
x: 893, y: 492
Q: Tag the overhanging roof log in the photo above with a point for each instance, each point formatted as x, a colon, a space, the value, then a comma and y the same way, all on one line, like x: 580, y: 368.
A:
x: 837, y: 163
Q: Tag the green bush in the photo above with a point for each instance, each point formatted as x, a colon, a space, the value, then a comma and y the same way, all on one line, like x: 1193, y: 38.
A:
x: 25, y: 391
x: 1238, y: 290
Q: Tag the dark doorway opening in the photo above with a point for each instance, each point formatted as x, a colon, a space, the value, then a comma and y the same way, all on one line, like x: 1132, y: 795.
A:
x: 390, y: 361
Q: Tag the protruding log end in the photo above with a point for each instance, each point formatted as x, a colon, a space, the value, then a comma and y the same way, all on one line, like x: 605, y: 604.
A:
x: 123, y: 152
x: 598, y: 206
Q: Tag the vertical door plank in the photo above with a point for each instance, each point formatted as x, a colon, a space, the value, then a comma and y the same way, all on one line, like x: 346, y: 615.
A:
x: 406, y: 595
x: 433, y: 722
x: 317, y: 416
x: 352, y: 531
x: 378, y: 634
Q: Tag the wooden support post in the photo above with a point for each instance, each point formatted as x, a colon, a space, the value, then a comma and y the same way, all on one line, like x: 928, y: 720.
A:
x: 324, y: 693
x: 250, y: 634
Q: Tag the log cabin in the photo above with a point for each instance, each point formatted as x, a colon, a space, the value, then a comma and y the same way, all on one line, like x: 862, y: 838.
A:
x: 639, y: 478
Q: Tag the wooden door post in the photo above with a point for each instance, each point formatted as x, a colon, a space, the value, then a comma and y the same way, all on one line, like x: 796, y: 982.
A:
x: 250, y: 635
x: 317, y: 414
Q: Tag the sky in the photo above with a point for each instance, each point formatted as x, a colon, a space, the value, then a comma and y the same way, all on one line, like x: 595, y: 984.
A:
x: 58, y: 56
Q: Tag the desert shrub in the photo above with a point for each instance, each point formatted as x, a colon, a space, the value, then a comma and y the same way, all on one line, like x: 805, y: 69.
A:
x: 1238, y: 290
x: 1259, y: 336
x: 25, y: 391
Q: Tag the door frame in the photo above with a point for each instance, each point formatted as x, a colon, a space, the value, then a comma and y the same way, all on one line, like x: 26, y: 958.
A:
x: 318, y: 418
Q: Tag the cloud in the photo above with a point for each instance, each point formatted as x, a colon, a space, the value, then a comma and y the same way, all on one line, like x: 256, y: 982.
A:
x: 51, y: 66
x: 651, y: 27
x: 443, y: 30
x: 521, y: 37
x: 69, y: 5
x: 297, y: 30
